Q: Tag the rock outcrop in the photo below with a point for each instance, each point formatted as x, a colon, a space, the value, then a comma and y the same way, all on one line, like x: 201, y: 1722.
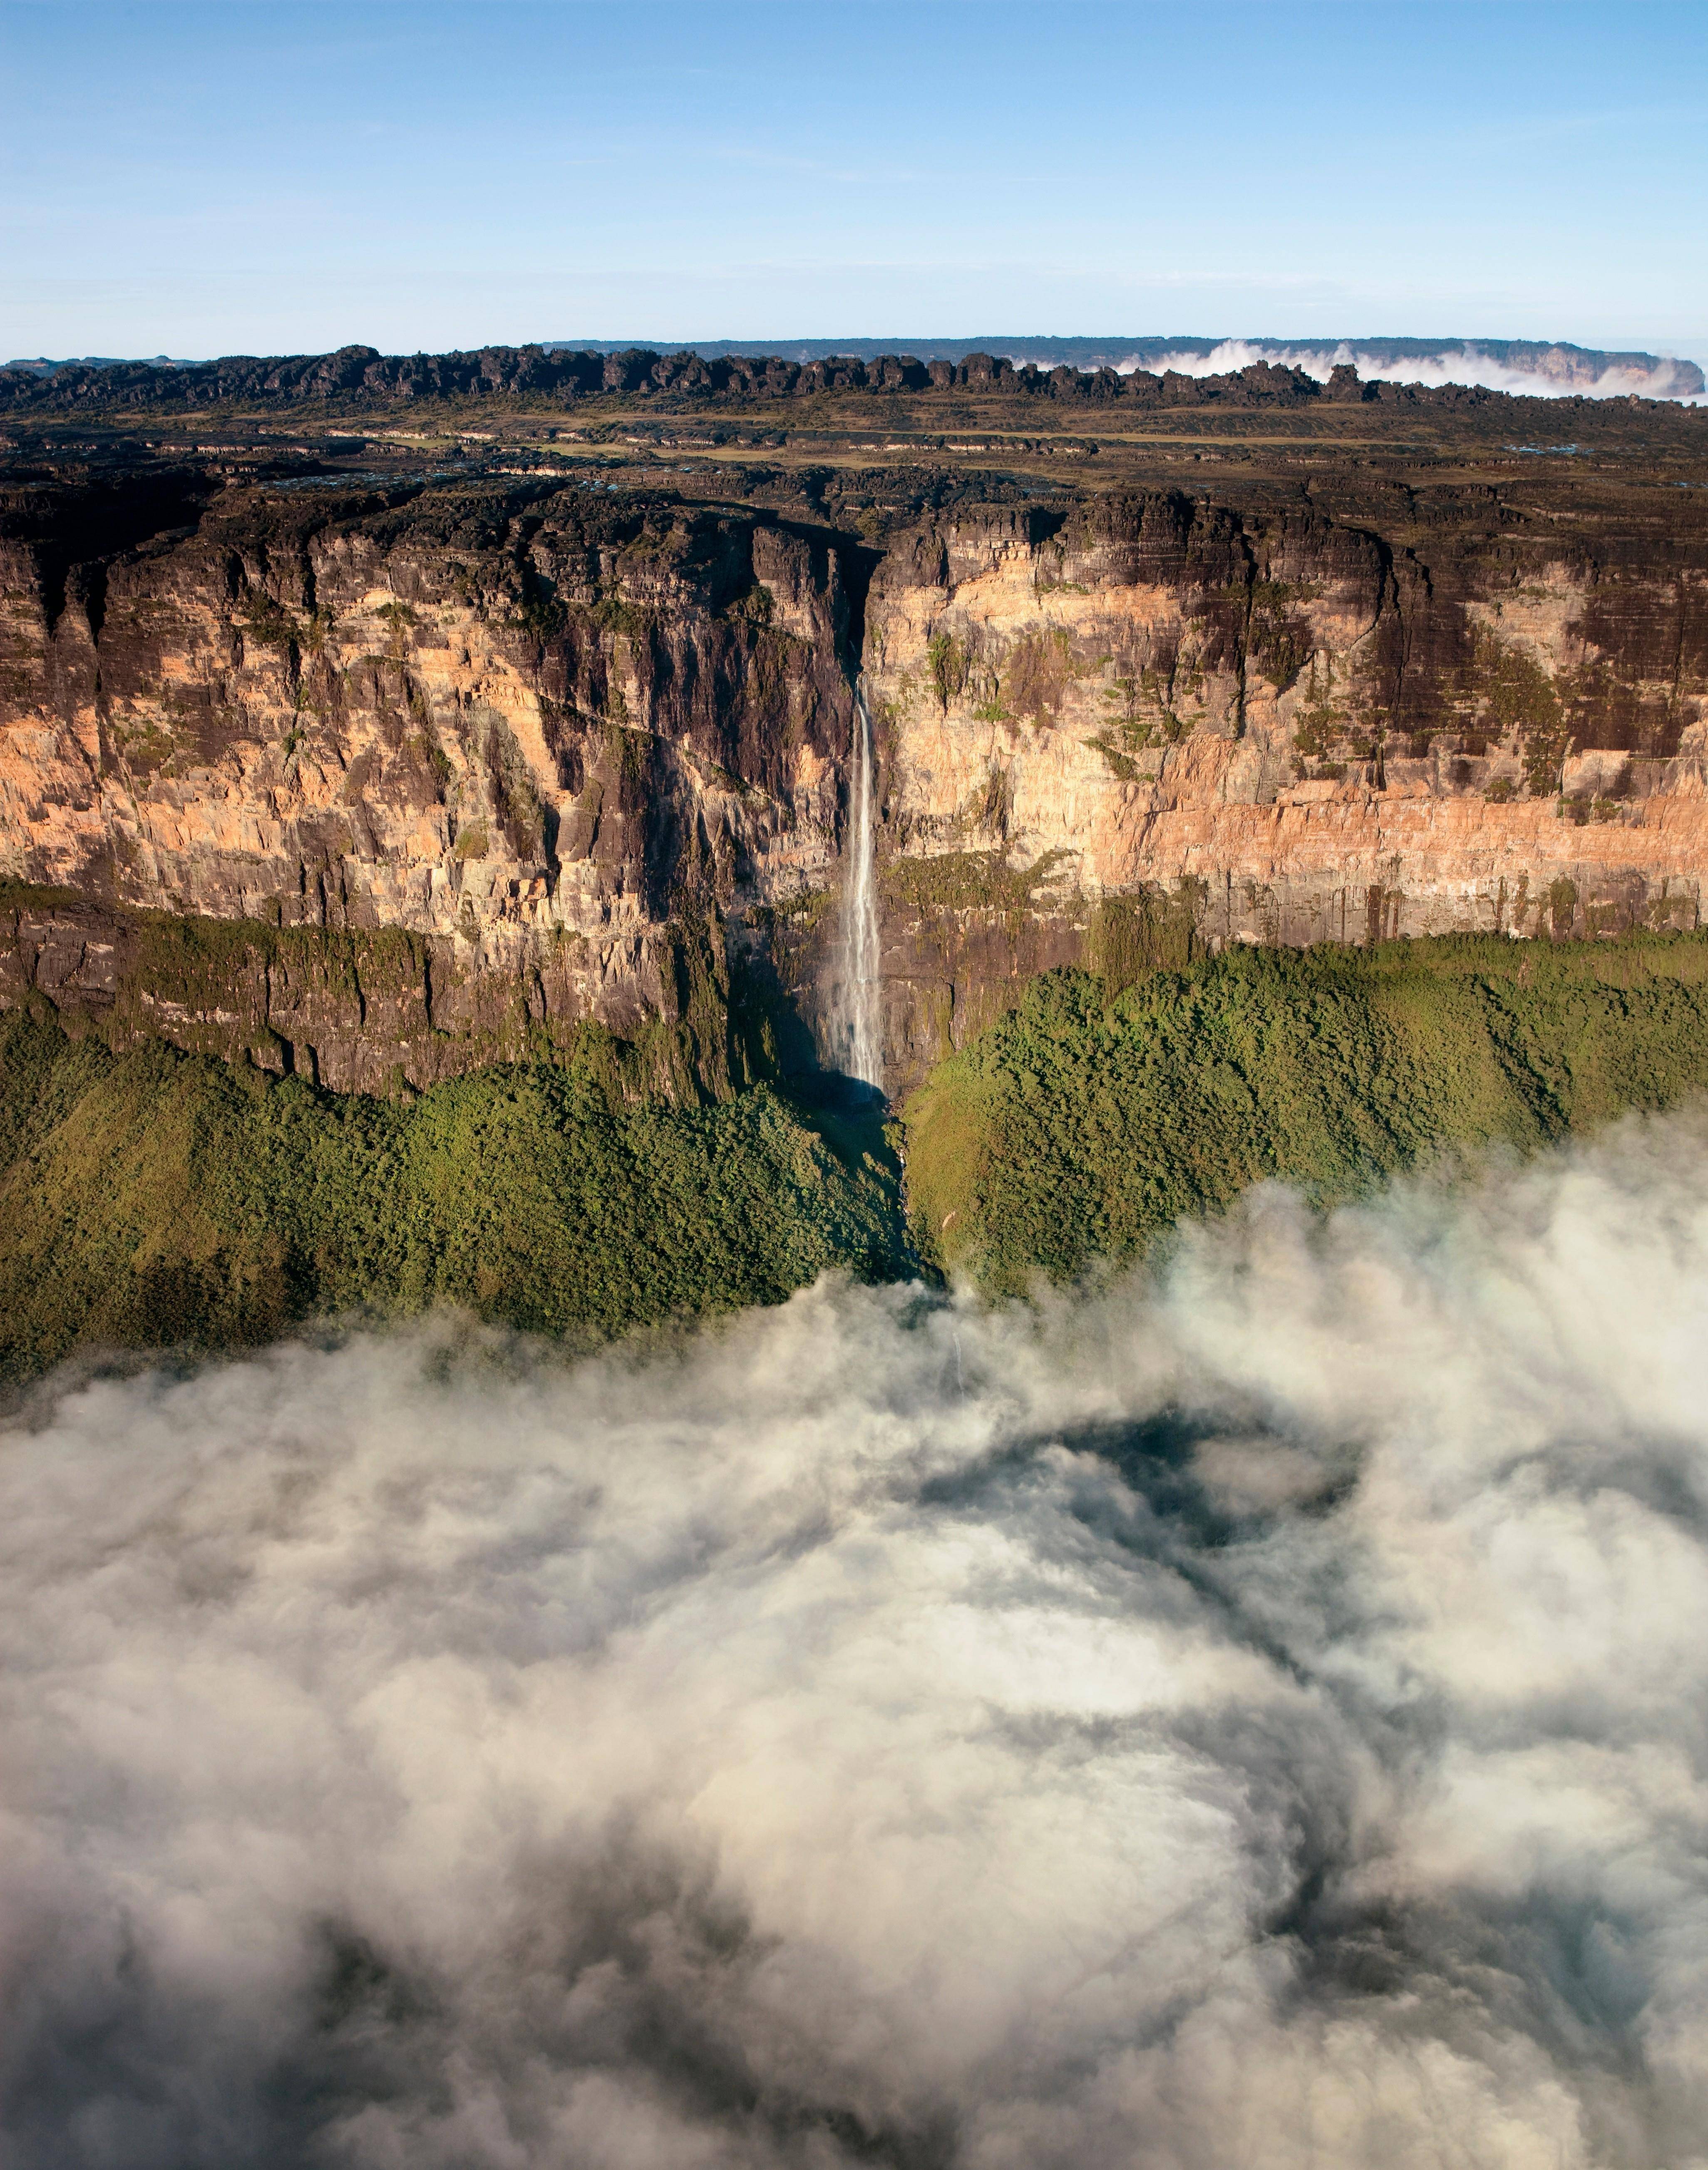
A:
x: 357, y: 376
x: 1291, y: 728
x: 568, y: 741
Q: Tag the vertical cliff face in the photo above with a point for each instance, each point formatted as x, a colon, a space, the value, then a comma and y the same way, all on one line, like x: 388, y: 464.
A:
x: 1278, y: 729
x: 581, y: 751
x: 547, y: 740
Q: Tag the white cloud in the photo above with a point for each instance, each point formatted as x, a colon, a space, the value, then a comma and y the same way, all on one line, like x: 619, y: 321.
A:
x: 1565, y: 376
x: 1257, y: 1718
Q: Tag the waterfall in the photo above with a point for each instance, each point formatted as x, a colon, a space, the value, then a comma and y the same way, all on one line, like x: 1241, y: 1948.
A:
x: 857, y: 1018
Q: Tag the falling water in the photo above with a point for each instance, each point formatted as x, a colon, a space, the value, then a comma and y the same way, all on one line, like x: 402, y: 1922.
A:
x: 858, y: 1003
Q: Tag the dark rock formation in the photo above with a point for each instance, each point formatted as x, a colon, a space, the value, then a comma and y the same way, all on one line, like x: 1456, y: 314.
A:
x: 357, y: 379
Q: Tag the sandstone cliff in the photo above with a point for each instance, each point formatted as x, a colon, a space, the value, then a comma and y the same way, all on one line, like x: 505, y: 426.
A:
x: 547, y: 737
x: 1296, y: 729
x: 591, y: 754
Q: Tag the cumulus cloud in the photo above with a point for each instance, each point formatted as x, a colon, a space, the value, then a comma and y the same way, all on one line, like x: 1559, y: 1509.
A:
x: 1254, y: 1716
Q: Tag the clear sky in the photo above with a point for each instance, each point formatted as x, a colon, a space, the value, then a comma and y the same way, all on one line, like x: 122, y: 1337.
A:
x: 287, y: 177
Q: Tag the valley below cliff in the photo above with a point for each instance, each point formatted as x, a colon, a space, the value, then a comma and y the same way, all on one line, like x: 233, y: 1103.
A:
x: 371, y: 784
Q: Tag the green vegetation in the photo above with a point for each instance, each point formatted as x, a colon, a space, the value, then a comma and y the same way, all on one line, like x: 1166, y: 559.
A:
x: 1320, y: 722
x: 948, y: 666
x: 1088, y: 1121
x: 755, y: 605
x: 1141, y: 717
x: 968, y: 881
x: 1131, y: 935
x: 153, y: 1197
x: 157, y: 1197
x: 1523, y: 704
x: 267, y: 621
x: 1280, y: 641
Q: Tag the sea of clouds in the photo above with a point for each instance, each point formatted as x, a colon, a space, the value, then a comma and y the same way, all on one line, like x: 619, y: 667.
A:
x: 1257, y: 1716
x: 1664, y: 379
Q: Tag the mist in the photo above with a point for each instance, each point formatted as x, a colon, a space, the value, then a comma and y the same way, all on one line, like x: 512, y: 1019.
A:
x: 1464, y: 363
x: 1253, y: 1714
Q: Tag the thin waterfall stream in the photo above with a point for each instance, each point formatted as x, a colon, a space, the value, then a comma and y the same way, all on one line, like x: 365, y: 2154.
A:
x: 859, y: 1021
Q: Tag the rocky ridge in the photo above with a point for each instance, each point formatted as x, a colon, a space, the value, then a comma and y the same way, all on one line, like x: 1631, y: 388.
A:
x: 356, y: 378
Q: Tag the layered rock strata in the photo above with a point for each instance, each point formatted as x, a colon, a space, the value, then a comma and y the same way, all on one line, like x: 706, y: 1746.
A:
x: 547, y: 739
x: 1296, y: 730
x: 569, y: 743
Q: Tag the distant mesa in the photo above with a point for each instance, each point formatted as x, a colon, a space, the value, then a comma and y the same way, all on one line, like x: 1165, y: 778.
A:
x: 41, y: 364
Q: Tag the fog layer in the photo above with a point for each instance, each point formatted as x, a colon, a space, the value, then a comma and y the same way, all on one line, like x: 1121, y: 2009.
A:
x: 1461, y: 364
x: 1251, y: 1717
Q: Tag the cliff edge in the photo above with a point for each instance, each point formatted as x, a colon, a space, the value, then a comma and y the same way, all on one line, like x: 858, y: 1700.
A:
x: 589, y: 749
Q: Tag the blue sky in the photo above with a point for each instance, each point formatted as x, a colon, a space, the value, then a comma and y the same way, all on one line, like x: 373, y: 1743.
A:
x: 282, y: 177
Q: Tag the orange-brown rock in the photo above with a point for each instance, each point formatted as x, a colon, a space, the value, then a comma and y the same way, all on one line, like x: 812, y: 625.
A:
x: 1300, y: 730
x: 540, y: 736
x: 543, y: 730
